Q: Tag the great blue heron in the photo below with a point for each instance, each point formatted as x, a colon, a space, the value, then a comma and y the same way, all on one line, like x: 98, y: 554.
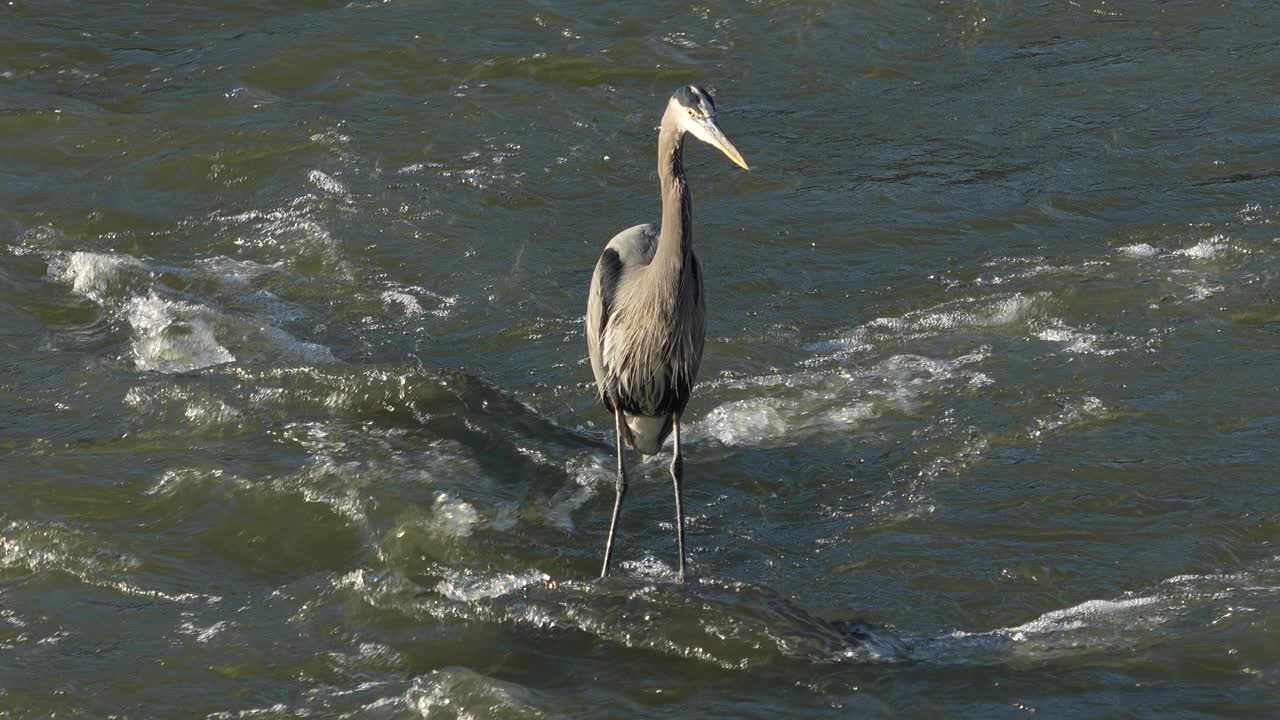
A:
x: 645, y: 310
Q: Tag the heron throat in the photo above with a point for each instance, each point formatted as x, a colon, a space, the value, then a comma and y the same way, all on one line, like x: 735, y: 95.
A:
x: 675, y: 240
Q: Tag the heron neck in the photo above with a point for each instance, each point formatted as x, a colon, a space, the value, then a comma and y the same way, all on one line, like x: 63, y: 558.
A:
x: 676, y: 239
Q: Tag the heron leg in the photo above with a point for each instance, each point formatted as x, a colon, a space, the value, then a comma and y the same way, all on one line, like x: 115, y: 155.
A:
x: 677, y: 476
x: 622, y: 491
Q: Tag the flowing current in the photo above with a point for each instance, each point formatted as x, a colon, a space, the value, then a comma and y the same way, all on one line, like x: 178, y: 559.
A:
x: 296, y: 419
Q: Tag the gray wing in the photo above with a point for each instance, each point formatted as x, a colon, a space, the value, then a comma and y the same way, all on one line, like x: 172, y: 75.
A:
x: 633, y: 247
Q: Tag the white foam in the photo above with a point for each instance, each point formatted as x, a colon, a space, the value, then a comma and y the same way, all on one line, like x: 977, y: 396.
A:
x: 682, y: 40
x: 946, y: 464
x: 744, y: 422
x: 53, y: 546
x: 976, y: 313
x: 1002, y: 311
x: 290, y: 229
x: 446, y: 304
x: 172, y: 337
x: 1071, y: 413
x: 586, y: 473
x: 1205, y: 249
x: 408, y: 303
x: 1087, y: 613
x: 203, y: 634
x: 276, y: 711
x: 1138, y: 250
x: 326, y: 182
x: 787, y: 408
x: 649, y: 568
x: 769, y: 421
x: 96, y: 276
x: 1074, y: 341
x: 469, y: 588
x: 453, y: 516
x: 1101, y: 626
x: 1203, y: 291
x: 171, y: 480
x: 1006, y: 311
x: 908, y: 374
x: 237, y: 273
x: 980, y: 380
x: 330, y: 138
x: 459, y: 692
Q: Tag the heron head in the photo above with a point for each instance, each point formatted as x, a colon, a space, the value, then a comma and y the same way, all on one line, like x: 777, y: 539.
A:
x: 696, y: 115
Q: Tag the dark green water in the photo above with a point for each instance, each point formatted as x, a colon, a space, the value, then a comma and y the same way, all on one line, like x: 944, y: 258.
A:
x: 295, y: 417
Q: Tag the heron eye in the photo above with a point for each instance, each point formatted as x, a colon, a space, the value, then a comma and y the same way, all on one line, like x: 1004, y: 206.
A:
x: 691, y: 113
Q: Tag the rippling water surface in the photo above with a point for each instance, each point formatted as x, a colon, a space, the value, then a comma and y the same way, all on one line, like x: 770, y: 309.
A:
x: 295, y: 418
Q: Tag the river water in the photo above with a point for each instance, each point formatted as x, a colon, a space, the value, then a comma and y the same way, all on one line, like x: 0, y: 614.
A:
x: 296, y: 421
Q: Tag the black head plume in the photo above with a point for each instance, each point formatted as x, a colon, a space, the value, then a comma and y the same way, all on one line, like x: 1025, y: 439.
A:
x: 696, y: 98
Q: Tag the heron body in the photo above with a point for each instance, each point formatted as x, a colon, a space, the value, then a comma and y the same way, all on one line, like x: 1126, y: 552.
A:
x: 647, y: 335
x: 646, y: 310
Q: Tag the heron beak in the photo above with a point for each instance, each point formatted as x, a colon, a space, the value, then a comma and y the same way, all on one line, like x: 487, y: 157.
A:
x: 718, y: 139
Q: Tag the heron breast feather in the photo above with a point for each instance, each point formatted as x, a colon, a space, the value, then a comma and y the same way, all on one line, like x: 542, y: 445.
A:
x: 647, y: 371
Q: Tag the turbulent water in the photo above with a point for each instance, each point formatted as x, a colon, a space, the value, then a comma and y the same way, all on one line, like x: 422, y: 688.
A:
x: 296, y: 421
